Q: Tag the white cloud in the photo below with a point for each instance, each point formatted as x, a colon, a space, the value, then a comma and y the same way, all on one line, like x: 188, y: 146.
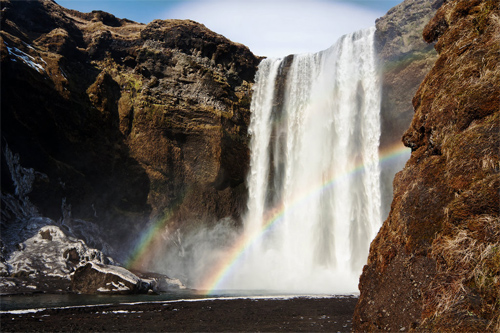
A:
x: 277, y: 28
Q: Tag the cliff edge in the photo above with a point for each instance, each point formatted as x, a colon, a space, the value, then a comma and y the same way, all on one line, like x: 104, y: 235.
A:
x: 435, y: 263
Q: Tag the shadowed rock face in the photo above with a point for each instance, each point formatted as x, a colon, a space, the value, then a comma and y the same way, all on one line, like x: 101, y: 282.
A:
x: 122, y: 122
x: 435, y: 263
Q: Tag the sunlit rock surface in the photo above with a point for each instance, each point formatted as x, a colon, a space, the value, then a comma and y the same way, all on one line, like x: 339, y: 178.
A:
x: 435, y: 262
x: 404, y: 60
x: 95, y: 278
x: 119, y: 124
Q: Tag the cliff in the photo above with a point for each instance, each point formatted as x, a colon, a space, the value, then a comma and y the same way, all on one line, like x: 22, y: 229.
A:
x: 108, y: 124
x: 435, y: 263
x: 405, y: 58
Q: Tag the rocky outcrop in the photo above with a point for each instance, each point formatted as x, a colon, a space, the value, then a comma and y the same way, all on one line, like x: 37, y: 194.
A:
x: 95, y: 278
x: 435, y: 264
x: 50, y: 252
x: 46, y: 261
x: 120, y: 123
x: 405, y: 58
x: 51, y: 261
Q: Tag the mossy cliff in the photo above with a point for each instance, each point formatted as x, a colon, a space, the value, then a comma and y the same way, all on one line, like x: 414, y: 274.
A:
x: 434, y: 264
x: 404, y: 60
x: 121, y: 123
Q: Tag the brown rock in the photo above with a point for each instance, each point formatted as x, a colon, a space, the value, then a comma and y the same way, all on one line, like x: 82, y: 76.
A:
x: 96, y: 278
x: 404, y: 59
x: 127, y: 122
x: 434, y: 264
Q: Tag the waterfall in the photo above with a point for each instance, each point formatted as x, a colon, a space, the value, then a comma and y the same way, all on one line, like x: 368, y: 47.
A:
x: 314, y: 188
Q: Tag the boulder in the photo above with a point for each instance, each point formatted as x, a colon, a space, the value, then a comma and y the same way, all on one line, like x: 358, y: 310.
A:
x: 106, y: 279
x: 50, y: 252
x: 95, y: 278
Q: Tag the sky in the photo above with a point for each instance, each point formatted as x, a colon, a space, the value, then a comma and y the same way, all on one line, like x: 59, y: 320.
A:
x: 272, y: 28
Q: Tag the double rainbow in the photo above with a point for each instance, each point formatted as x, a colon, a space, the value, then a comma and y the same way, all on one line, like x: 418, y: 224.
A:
x: 216, y: 277
x: 152, y: 239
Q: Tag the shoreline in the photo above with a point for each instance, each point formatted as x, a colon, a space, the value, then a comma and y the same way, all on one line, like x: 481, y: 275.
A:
x: 292, y: 313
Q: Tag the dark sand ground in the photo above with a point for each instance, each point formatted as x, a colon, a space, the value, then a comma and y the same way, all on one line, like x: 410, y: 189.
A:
x: 296, y: 314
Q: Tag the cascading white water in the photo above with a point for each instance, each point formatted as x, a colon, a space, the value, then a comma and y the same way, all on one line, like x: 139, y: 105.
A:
x: 314, y: 165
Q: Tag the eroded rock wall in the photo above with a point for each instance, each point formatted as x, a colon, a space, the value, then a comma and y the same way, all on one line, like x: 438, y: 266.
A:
x: 121, y: 122
x: 405, y: 58
x: 435, y: 264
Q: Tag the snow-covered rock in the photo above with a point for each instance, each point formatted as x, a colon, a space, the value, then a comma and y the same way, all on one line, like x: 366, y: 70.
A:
x: 51, y: 253
x: 165, y: 283
x: 161, y: 283
x: 17, y: 54
x: 95, y: 278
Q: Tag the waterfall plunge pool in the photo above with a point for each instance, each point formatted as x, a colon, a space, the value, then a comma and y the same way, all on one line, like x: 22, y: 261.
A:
x: 36, y: 302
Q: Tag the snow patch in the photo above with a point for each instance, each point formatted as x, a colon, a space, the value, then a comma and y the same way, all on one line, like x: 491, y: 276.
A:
x: 26, y: 58
x: 63, y: 73
x: 7, y: 283
x: 24, y: 311
x: 119, y: 286
x: 123, y: 273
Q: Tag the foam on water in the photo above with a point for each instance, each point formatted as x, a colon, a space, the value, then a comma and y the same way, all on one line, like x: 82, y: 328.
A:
x: 326, y: 127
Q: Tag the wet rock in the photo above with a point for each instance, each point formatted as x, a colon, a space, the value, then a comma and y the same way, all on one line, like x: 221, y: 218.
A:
x: 159, y: 282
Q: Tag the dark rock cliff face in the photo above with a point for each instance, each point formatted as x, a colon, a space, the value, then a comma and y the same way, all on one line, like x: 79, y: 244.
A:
x: 116, y: 123
x: 435, y: 264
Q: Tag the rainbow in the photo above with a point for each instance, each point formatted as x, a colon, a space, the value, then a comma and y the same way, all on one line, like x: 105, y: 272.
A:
x: 152, y: 238
x: 216, y: 277
x: 142, y: 252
